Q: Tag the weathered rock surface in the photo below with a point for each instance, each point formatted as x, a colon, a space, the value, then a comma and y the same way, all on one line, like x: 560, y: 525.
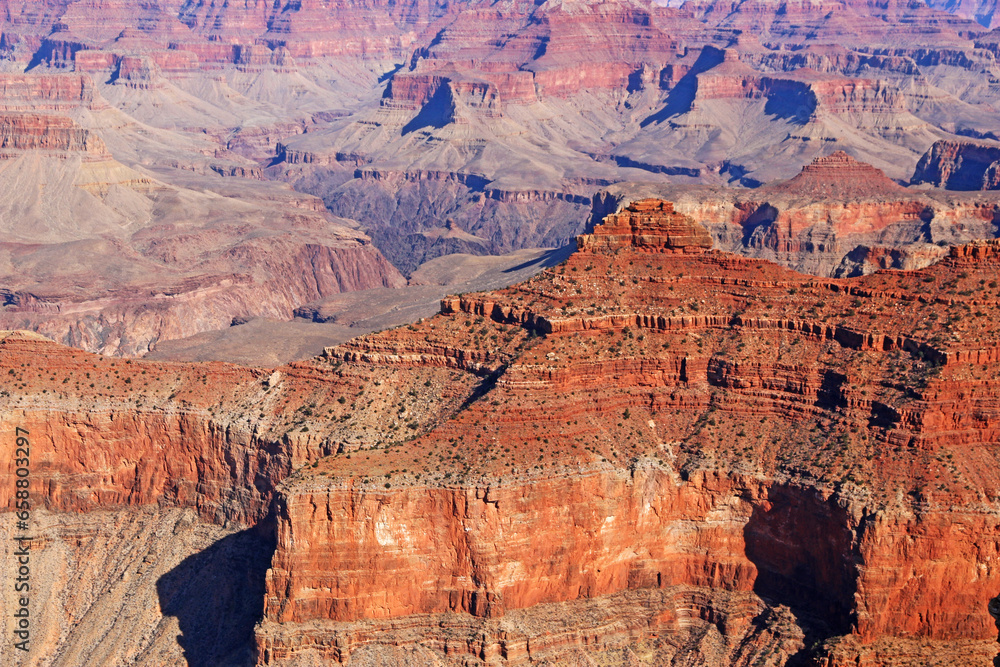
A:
x: 649, y: 224
x: 711, y: 402
x: 837, y: 217
x: 980, y: 11
x: 503, y: 119
x: 658, y: 453
x: 652, y: 451
x: 960, y: 165
x: 173, y: 277
x: 54, y: 134
x: 176, y: 257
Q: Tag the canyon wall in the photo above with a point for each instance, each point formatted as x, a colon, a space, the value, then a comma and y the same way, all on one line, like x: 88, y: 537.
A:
x: 958, y: 165
x: 837, y: 217
x: 131, y: 323
x: 778, y: 469
x: 654, y: 451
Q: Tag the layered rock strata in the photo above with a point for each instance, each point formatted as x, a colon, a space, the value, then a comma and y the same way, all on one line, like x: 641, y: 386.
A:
x: 837, y: 217
x: 960, y: 165
x: 654, y: 451
x: 56, y: 135
x: 792, y: 420
x: 648, y: 224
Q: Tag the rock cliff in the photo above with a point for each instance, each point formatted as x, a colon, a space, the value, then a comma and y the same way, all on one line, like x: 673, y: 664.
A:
x: 55, y: 135
x: 960, y: 165
x: 838, y: 217
x: 654, y: 451
x: 667, y: 388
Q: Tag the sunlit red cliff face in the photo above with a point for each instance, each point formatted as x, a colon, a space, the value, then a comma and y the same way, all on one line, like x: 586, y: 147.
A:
x: 652, y: 451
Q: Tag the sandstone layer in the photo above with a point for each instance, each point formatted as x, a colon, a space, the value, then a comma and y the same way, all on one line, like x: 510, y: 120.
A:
x: 654, y: 451
x: 797, y: 443
x: 837, y: 217
x: 960, y: 165
x: 504, y: 120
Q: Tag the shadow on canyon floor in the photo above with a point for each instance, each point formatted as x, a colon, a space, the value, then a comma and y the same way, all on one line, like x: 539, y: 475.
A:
x: 551, y: 258
x: 217, y: 596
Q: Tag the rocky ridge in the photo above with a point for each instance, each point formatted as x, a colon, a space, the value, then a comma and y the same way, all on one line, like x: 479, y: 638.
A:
x: 792, y: 490
x: 960, y: 165
x: 651, y: 451
x: 837, y: 217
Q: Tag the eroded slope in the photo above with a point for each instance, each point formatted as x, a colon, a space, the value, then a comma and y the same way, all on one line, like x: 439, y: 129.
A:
x: 651, y: 452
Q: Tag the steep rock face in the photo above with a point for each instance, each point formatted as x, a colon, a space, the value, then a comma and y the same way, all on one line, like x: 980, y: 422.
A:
x: 960, y: 165
x: 803, y: 94
x: 652, y: 452
x: 107, y: 450
x: 746, y: 420
x: 982, y: 12
x: 130, y: 323
x: 50, y: 92
x: 54, y: 134
x: 561, y: 533
x: 505, y: 524
x: 147, y: 480
x: 316, y: 28
x: 215, y: 438
x: 831, y: 216
x: 650, y: 224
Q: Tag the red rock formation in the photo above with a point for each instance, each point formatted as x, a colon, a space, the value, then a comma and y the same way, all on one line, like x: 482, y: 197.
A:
x: 25, y: 92
x: 829, y: 217
x: 130, y: 322
x: 56, y: 134
x: 555, y: 515
x: 802, y: 93
x: 146, y: 455
x: 840, y: 176
x: 960, y: 165
x: 173, y: 61
x: 649, y: 224
x: 647, y: 446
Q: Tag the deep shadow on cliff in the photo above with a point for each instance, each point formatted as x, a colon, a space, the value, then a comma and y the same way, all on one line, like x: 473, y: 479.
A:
x: 681, y: 98
x: 217, y: 596
x: 802, y: 546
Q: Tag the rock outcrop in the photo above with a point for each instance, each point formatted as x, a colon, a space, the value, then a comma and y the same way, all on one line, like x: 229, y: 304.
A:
x: 55, y: 135
x: 837, y: 217
x: 651, y: 224
x: 960, y: 165
x: 840, y: 176
x: 654, y: 451
x: 712, y: 359
x: 47, y: 92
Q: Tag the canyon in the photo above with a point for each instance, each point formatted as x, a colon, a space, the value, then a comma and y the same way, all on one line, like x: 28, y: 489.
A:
x: 382, y: 137
x: 584, y: 333
x: 838, y: 217
x: 653, y: 451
